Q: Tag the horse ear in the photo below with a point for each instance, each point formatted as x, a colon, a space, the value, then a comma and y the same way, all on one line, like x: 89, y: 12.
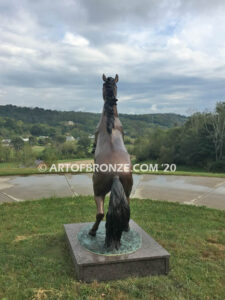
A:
x: 116, y: 78
x: 104, y: 77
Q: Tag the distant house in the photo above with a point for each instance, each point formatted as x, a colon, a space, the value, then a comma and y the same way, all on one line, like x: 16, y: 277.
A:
x: 25, y: 139
x: 6, y: 142
x: 69, y: 123
x: 43, y: 137
x: 91, y: 136
x: 70, y: 139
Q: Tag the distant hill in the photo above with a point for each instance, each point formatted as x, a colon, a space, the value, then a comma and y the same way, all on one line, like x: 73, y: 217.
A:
x: 134, y: 125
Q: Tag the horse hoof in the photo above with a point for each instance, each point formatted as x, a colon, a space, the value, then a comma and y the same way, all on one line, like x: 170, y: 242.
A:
x: 92, y: 232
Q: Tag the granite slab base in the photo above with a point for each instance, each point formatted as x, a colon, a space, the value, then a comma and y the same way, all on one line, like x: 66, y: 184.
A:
x: 150, y: 259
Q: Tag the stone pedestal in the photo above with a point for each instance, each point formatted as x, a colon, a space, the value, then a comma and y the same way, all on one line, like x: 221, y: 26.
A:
x: 150, y: 259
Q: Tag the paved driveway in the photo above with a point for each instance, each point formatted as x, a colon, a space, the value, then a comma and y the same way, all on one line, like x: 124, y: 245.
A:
x: 206, y: 191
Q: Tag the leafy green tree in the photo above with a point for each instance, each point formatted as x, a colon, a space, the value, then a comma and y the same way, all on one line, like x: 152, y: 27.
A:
x: 215, y: 125
x: 68, y: 150
x: 84, y: 145
x: 5, y: 154
x: 37, y: 130
x: 11, y: 124
x: 60, y: 139
x: 50, y: 155
x: 27, y: 156
x: 17, y: 143
x: 32, y: 141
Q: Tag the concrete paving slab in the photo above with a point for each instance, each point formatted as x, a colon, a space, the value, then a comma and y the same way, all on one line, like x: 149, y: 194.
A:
x: 80, y: 184
x: 5, y: 198
x: 209, y: 191
x: 36, y: 186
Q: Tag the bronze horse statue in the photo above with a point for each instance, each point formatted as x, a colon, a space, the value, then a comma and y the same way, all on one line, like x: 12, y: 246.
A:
x: 109, y: 149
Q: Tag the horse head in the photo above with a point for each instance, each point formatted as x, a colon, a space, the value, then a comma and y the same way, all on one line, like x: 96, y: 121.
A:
x: 109, y: 87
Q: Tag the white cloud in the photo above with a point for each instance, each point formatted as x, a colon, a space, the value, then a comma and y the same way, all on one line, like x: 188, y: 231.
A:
x: 169, y: 55
x: 75, y: 40
x: 153, y: 108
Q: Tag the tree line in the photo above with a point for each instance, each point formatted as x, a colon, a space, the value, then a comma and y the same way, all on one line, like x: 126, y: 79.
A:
x: 196, y: 141
x: 16, y: 120
x: 200, y: 142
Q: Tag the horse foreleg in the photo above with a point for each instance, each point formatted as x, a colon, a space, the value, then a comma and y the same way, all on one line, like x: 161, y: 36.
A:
x: 99, y: 200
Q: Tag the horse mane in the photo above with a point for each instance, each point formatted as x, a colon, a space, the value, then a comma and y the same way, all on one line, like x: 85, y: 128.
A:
x: 108, y: 107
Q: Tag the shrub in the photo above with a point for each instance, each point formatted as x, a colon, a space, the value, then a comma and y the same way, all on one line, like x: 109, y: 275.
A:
x: 217, y: 166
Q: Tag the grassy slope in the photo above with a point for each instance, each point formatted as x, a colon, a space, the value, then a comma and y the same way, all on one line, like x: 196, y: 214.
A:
x: 35, y: 261
x: 38, y: 149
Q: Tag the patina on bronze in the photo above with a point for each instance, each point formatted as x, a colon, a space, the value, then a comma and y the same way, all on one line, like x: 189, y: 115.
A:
x: 130, y: 241
x: 110, y: 149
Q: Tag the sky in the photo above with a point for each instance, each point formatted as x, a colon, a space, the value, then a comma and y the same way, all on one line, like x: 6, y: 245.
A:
x: 169, y: 55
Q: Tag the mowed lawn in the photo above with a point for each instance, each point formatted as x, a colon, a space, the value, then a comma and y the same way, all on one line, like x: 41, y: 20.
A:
x: 35, y: 262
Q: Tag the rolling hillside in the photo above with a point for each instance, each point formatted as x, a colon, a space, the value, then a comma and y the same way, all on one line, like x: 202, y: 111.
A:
x: 82, y: 122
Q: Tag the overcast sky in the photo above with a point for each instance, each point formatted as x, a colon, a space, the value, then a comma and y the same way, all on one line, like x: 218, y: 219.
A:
x: 169, y: 54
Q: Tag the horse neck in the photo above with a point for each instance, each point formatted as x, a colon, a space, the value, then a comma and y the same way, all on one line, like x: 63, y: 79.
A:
x: 115, y: 112
x: 104, y: 118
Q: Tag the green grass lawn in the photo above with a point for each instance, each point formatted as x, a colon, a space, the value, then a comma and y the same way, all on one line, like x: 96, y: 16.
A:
x: 35, y: 262
x: 13, y: 168
x: 9, y: 165
x: 73, y: 160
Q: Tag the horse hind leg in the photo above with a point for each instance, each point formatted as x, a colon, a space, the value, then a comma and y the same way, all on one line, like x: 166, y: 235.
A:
x: 100, y: 214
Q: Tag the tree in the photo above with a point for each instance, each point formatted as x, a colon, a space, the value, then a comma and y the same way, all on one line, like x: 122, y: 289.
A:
x: 17, y: 143
x: 9, y: 123
x: 84, y: 144
x: 36, y: 130
x: 50, y: 155
x: 27, y: 156
x: 32, y: 140
x: 60, y: 139
x: 5, y: 154
x: 68, y: 150
x: 215, y: 126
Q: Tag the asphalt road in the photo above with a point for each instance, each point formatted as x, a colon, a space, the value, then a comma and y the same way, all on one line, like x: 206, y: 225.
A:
x: 208, y: 191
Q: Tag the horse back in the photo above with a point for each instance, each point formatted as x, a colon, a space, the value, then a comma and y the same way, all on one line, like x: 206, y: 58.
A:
x: 111, y: 149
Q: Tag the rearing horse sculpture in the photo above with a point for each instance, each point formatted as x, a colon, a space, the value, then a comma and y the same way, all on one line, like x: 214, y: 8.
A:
x: 110, y: 149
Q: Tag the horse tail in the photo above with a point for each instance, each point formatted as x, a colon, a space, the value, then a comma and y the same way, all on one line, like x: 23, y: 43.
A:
x: 118, y: 215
